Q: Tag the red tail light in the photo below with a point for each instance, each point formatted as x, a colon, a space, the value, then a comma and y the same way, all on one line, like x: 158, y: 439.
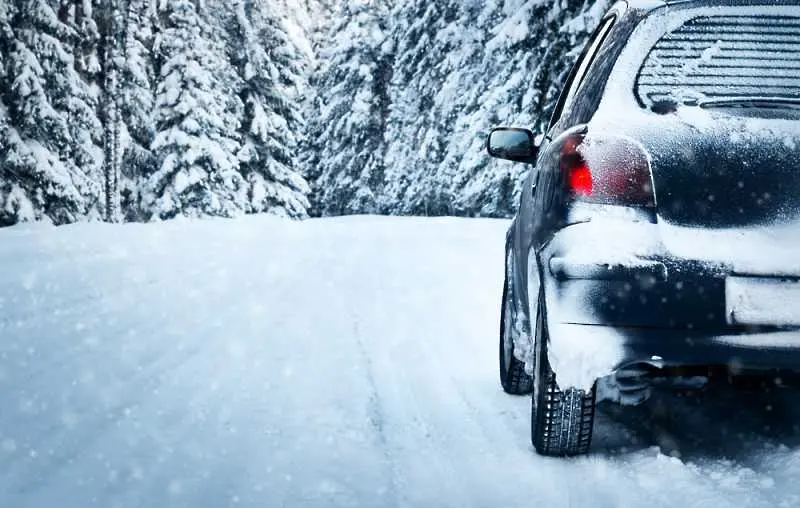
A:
x: 580, y: 180
x: 606, y: 169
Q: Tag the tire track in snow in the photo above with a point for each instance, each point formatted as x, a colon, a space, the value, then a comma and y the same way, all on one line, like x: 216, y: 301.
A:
x: 421, y: 373
x: 377, y: 414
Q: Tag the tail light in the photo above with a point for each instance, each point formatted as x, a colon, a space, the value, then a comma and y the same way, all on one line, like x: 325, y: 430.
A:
x: 605, y: 169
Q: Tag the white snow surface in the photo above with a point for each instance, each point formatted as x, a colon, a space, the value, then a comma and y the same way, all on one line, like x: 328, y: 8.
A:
x: 261, y: 362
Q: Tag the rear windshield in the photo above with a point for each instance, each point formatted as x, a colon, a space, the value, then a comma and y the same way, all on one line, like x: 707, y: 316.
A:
x: 723, y: 57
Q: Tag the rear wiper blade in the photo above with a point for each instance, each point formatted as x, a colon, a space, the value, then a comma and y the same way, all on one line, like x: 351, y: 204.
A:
x: 752, y: 102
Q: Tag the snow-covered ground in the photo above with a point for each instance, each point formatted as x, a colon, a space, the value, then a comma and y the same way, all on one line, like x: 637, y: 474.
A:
x: 339, y: 362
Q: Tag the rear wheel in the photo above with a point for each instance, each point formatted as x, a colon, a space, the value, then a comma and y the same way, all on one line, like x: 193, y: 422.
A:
x: 561, y: 421
x: 513, y: 377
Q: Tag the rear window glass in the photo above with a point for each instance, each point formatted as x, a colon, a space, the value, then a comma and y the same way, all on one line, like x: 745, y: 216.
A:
x: 724, y: 57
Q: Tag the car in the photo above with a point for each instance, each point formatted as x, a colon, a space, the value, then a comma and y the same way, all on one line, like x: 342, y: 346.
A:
x: 657, y: 239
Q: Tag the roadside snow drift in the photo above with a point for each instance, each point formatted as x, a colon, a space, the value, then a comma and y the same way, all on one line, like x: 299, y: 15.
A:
x: 341, y: 362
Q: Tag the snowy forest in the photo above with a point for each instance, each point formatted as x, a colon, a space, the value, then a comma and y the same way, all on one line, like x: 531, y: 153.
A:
x: 140, y: 110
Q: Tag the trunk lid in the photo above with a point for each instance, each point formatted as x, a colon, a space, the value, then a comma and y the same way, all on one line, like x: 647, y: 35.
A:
x: 727, y: 172
x: 727, y: 188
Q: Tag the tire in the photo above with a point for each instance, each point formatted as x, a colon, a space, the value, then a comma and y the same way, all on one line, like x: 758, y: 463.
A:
x: 561, y: 421
x: 513, y: 378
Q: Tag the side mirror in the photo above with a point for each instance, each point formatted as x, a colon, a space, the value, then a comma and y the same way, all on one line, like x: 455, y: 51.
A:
x: 512, y: 144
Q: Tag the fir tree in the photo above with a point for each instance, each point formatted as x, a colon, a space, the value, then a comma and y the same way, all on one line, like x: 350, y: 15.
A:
x: 136, y: 104
x: 197, y: 114
x: 348, y: 117
x: 271, y: 69
x: 50, y: 160
x: 427, y: 33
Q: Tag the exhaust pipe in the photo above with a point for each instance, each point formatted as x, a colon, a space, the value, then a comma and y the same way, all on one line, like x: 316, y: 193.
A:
x: 632, y: 384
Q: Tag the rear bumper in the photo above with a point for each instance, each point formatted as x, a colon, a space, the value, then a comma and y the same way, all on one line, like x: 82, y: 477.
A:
x: 651, y: 293
x: 624, y: 302
x: 581, y: 354
x: 666, y: 348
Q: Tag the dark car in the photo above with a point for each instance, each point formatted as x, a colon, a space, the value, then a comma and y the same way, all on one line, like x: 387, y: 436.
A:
x: 658, y: 232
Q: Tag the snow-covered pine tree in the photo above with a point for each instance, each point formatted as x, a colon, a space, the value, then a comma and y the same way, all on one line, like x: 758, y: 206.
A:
x: 197, y: 114
x: 461, y: 109
x: 136, y: 103
x: 431, y: 38
x: 348, y: 117
x: 81, y: 15
x: 271, y: 67
x: 310, y: 16
x: 486, y: 84
x: 83, y: 97
x: 50, y: 159
x: 15, y: 205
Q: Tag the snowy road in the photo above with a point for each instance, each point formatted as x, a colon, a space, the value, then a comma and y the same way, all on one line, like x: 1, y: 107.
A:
x: 347, y: 362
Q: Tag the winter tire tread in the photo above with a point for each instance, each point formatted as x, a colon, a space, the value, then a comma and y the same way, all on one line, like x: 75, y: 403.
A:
x: 561, y: 420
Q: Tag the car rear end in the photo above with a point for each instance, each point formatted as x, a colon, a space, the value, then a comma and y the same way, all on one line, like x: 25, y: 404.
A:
x: 680, y: 205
